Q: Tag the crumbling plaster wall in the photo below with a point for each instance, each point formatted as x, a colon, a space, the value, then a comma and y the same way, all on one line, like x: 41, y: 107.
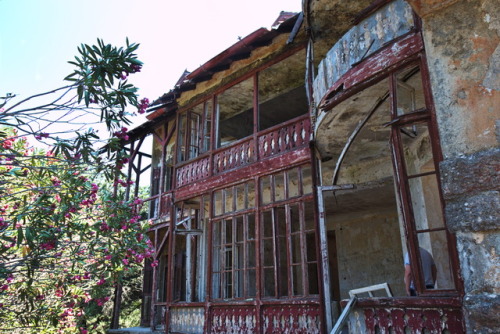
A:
x: 368, y: 250
x: 463, y: 53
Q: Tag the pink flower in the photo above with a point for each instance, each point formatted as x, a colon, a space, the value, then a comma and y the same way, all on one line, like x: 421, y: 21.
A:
x: 125, y: 262
x: 4, y: 287
x: 101, y: 281
x: 154, y: 263
x: 49, y: 245
x: 41, y: 135
x: 134, y: 68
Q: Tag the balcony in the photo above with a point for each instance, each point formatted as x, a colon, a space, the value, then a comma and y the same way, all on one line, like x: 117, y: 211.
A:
x: 284, y: 138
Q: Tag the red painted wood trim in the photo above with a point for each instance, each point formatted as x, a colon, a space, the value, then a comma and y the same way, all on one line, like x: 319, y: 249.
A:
x: 370, y: 67
x: 413, y: 302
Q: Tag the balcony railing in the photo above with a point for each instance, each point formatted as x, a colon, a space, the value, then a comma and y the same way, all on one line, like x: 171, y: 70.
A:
x: 277, y: 140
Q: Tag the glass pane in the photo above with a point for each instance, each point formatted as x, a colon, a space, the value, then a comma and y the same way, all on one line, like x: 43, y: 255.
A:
x: 216, y: 234
x: 269, y: 282
x: 281, y: 221
x: 238, y: 258
x: 426, y: 202
x: 239, y: 229
x: 241, y: 198
x: 216, y: 286
x: 265, y: 190
x: 309, y: 216
x: 218, y: 202
x: 279, y: 187
x: 267, y: 223
x: 306, y: 180
x: 296, y: 253
x: 180, y: 268
x: 298, y: 284
x: 311, y: 247
x: 205, y: 209
x: 251, y: 194
x: 235, y: 107
x: 409, y: 90
x: 417, y: 149
x: 181, y: 152
x: 238, y: 291
x: 228, y: 288
x: 312, y: 272
x: 251, y: 255
x: 433, y: 248
x: 294, y: 218
x: 268, y: 251
x: 207, y: 126
x: 194, y: 134
x: 283, y: 267
x: 251, y: 227
x: 293, y: 183
x: 228, y: 198
x: 251, y: 283
x: 228, y: 231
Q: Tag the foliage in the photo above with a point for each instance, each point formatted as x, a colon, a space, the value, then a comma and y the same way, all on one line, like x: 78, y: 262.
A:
x: 68, y: 233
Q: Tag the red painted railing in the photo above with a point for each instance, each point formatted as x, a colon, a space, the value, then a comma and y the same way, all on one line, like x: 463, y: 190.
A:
x: 280, y: 139
x: 193, y: 171
x: 408, y: 315
x: 285, y: 138
x: 240, y: 154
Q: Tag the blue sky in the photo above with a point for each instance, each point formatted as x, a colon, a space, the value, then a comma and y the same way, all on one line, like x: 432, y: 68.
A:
x: 38, y: 37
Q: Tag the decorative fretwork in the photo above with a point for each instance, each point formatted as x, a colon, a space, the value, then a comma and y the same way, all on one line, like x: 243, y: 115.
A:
x: 409, y: 320
x: 187, y: 319
x: 300, y: 319
x: 233, y: 320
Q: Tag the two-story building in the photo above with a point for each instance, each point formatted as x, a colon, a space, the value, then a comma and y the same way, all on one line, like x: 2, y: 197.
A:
x: 324, y: 161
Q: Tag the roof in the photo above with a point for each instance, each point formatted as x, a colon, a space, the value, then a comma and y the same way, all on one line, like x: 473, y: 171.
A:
x: 242, y: 49
x: 238, y: 51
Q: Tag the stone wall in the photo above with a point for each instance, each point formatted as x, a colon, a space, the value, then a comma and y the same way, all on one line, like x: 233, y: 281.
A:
x: 463, y: 52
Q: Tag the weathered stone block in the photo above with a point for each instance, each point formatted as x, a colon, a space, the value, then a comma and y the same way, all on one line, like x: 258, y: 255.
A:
x: 471, y: 174
x: 480, y: 262
x: 480, y: 212
x: 482, y: 313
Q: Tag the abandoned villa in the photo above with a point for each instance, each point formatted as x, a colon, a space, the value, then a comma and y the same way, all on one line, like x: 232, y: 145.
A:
x: 296, y: 175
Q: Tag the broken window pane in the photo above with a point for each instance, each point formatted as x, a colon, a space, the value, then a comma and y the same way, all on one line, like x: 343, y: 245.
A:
x: 435, y: 244
x: 409, y: 90
x: 426, y: 202
x: 417, y: 149
x: 235, y: 112
x: 282, y: 95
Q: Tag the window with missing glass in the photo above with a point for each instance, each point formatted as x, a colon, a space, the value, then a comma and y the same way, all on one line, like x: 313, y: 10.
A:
x: 195, y: 128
